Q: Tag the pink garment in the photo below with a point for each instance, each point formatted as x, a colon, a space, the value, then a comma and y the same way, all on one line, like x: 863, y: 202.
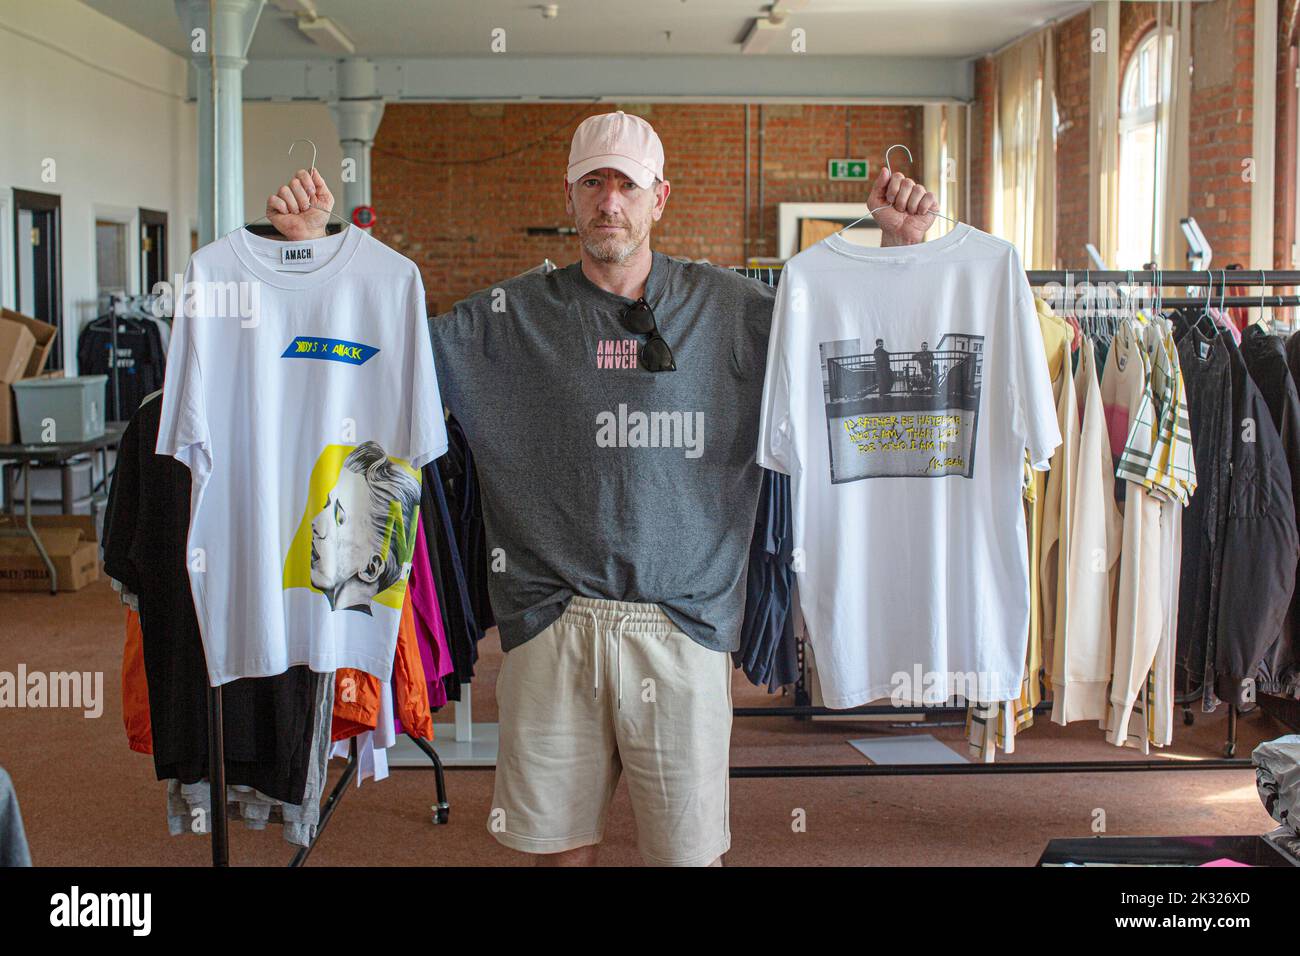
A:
x: 434, y: 650
x: 1226, y: 322
x: 1116, y: 427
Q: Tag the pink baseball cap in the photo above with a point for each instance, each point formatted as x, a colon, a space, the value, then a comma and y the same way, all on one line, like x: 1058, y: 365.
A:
x: 626, y: 143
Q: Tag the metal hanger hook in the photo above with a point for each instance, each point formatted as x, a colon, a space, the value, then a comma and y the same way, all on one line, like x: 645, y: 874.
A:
x: 313, y: 151
x: 871, y: 212
x: 889, y: 169
x: 901, y: 146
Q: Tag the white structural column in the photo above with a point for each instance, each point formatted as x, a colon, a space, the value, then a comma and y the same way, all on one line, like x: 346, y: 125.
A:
x: 357, y: 113
x: 1264, y: 135
x: 219, y: 33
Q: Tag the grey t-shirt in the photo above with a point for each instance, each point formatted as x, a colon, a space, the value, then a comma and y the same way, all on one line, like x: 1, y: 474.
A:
x: 599, y: 478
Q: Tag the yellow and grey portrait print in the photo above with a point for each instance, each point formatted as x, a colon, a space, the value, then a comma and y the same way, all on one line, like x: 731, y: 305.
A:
x: 357, y: 532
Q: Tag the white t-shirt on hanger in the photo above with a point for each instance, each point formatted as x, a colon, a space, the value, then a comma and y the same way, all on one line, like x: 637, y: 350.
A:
x: 301, y: 394
x: 903, y: 386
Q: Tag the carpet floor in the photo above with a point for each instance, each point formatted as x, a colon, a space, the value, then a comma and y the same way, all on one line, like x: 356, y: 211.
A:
x: 87, y: 800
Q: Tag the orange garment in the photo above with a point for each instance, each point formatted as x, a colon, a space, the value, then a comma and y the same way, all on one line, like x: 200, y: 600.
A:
x: 135, y: 688
x: 410, y: 689
x: 356, y: 693
x: 356, y: 703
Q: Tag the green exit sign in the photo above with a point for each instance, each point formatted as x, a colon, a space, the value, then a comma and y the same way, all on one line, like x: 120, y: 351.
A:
x: 847, y: 168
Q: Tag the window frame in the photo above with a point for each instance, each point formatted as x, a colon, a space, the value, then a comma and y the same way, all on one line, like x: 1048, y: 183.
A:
x: 1134, y: 118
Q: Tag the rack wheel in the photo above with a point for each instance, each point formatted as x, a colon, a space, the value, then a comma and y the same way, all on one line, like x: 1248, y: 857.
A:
x: 1230, y: 750
x: 1188, y: 718
x: 441, y: 811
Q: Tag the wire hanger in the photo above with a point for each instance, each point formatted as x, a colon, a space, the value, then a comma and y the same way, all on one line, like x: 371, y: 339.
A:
x: 1068, y: 310
x: 1088, y: 317
x: 1128, y: 307
x: 328, y: 212
x: 872, y: 212
x: 1209, y: 298
x: 1266, y: 322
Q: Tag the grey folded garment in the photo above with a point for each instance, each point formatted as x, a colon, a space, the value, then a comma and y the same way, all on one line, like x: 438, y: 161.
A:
x: 13, y: 839
x: 189, y: 805
x: 1277, y: 777
x: 189, y: 810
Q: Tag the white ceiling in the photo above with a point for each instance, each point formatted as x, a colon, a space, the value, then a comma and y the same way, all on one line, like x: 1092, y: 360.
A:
x: 420, y: 28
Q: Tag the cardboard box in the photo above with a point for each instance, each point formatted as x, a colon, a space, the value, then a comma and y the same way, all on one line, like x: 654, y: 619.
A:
x: 8, y: 416
x: 72, y: 546
x: 16, y: 346
x: 41, y: 336
x: 44, y: 334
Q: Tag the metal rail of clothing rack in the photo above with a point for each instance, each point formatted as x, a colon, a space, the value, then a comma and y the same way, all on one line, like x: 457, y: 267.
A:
x: 217, y: 787
x: 804, y: 709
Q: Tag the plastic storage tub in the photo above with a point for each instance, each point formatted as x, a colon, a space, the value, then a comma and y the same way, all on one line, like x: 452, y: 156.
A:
x: 75, y: 405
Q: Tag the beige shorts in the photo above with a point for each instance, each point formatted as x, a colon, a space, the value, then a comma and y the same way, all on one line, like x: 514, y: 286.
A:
x: 613, y: 687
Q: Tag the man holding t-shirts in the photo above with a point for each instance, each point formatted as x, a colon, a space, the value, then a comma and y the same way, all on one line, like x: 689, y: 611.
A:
x: 622, y: 497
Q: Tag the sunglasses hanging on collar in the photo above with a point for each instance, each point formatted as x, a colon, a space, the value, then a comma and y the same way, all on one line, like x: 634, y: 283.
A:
x: 655, y: 355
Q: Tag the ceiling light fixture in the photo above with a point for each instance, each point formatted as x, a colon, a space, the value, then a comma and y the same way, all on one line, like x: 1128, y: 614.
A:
x: 762, y: 31
x: 326, y: 34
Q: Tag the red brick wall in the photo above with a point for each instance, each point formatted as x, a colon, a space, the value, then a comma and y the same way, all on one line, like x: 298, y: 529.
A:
x: 1073, y: 76
x: 1220, y: 137
x: 981, y: 145
x: 1220, y: 128
x: 1135, y: 19
x: 445, y: 199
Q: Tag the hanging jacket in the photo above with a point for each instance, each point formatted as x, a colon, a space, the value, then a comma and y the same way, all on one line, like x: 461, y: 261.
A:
x: 1266, y: 360
x: 1261, y: 544
x: 1081, y: 666
x: 1206, y: 373
x: 465, y: 504
x: 767, y: 652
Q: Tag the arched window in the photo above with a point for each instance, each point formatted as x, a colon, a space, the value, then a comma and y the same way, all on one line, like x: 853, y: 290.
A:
x: 1141, y: 153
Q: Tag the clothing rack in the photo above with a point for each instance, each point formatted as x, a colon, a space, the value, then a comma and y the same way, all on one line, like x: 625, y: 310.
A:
x: 125, y: 306
x: 1072, y: 279
x: 1252, y: 278
x: 217, y: 787
x: 804, y: 709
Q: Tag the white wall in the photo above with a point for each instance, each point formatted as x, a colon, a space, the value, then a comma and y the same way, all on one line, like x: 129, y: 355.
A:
x: 108, y: 106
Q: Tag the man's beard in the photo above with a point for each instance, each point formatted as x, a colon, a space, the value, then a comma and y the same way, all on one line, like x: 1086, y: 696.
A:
x: 610, y: 248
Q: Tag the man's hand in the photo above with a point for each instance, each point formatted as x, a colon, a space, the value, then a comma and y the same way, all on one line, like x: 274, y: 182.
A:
x: 301, y: 208
x: 909, y: 209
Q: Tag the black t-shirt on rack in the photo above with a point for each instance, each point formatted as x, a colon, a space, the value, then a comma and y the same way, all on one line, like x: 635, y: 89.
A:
x: 266, y: 721
x: 141, y: 362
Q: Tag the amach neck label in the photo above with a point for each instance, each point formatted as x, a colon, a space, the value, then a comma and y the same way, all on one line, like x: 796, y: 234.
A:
x: 295, y: 255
